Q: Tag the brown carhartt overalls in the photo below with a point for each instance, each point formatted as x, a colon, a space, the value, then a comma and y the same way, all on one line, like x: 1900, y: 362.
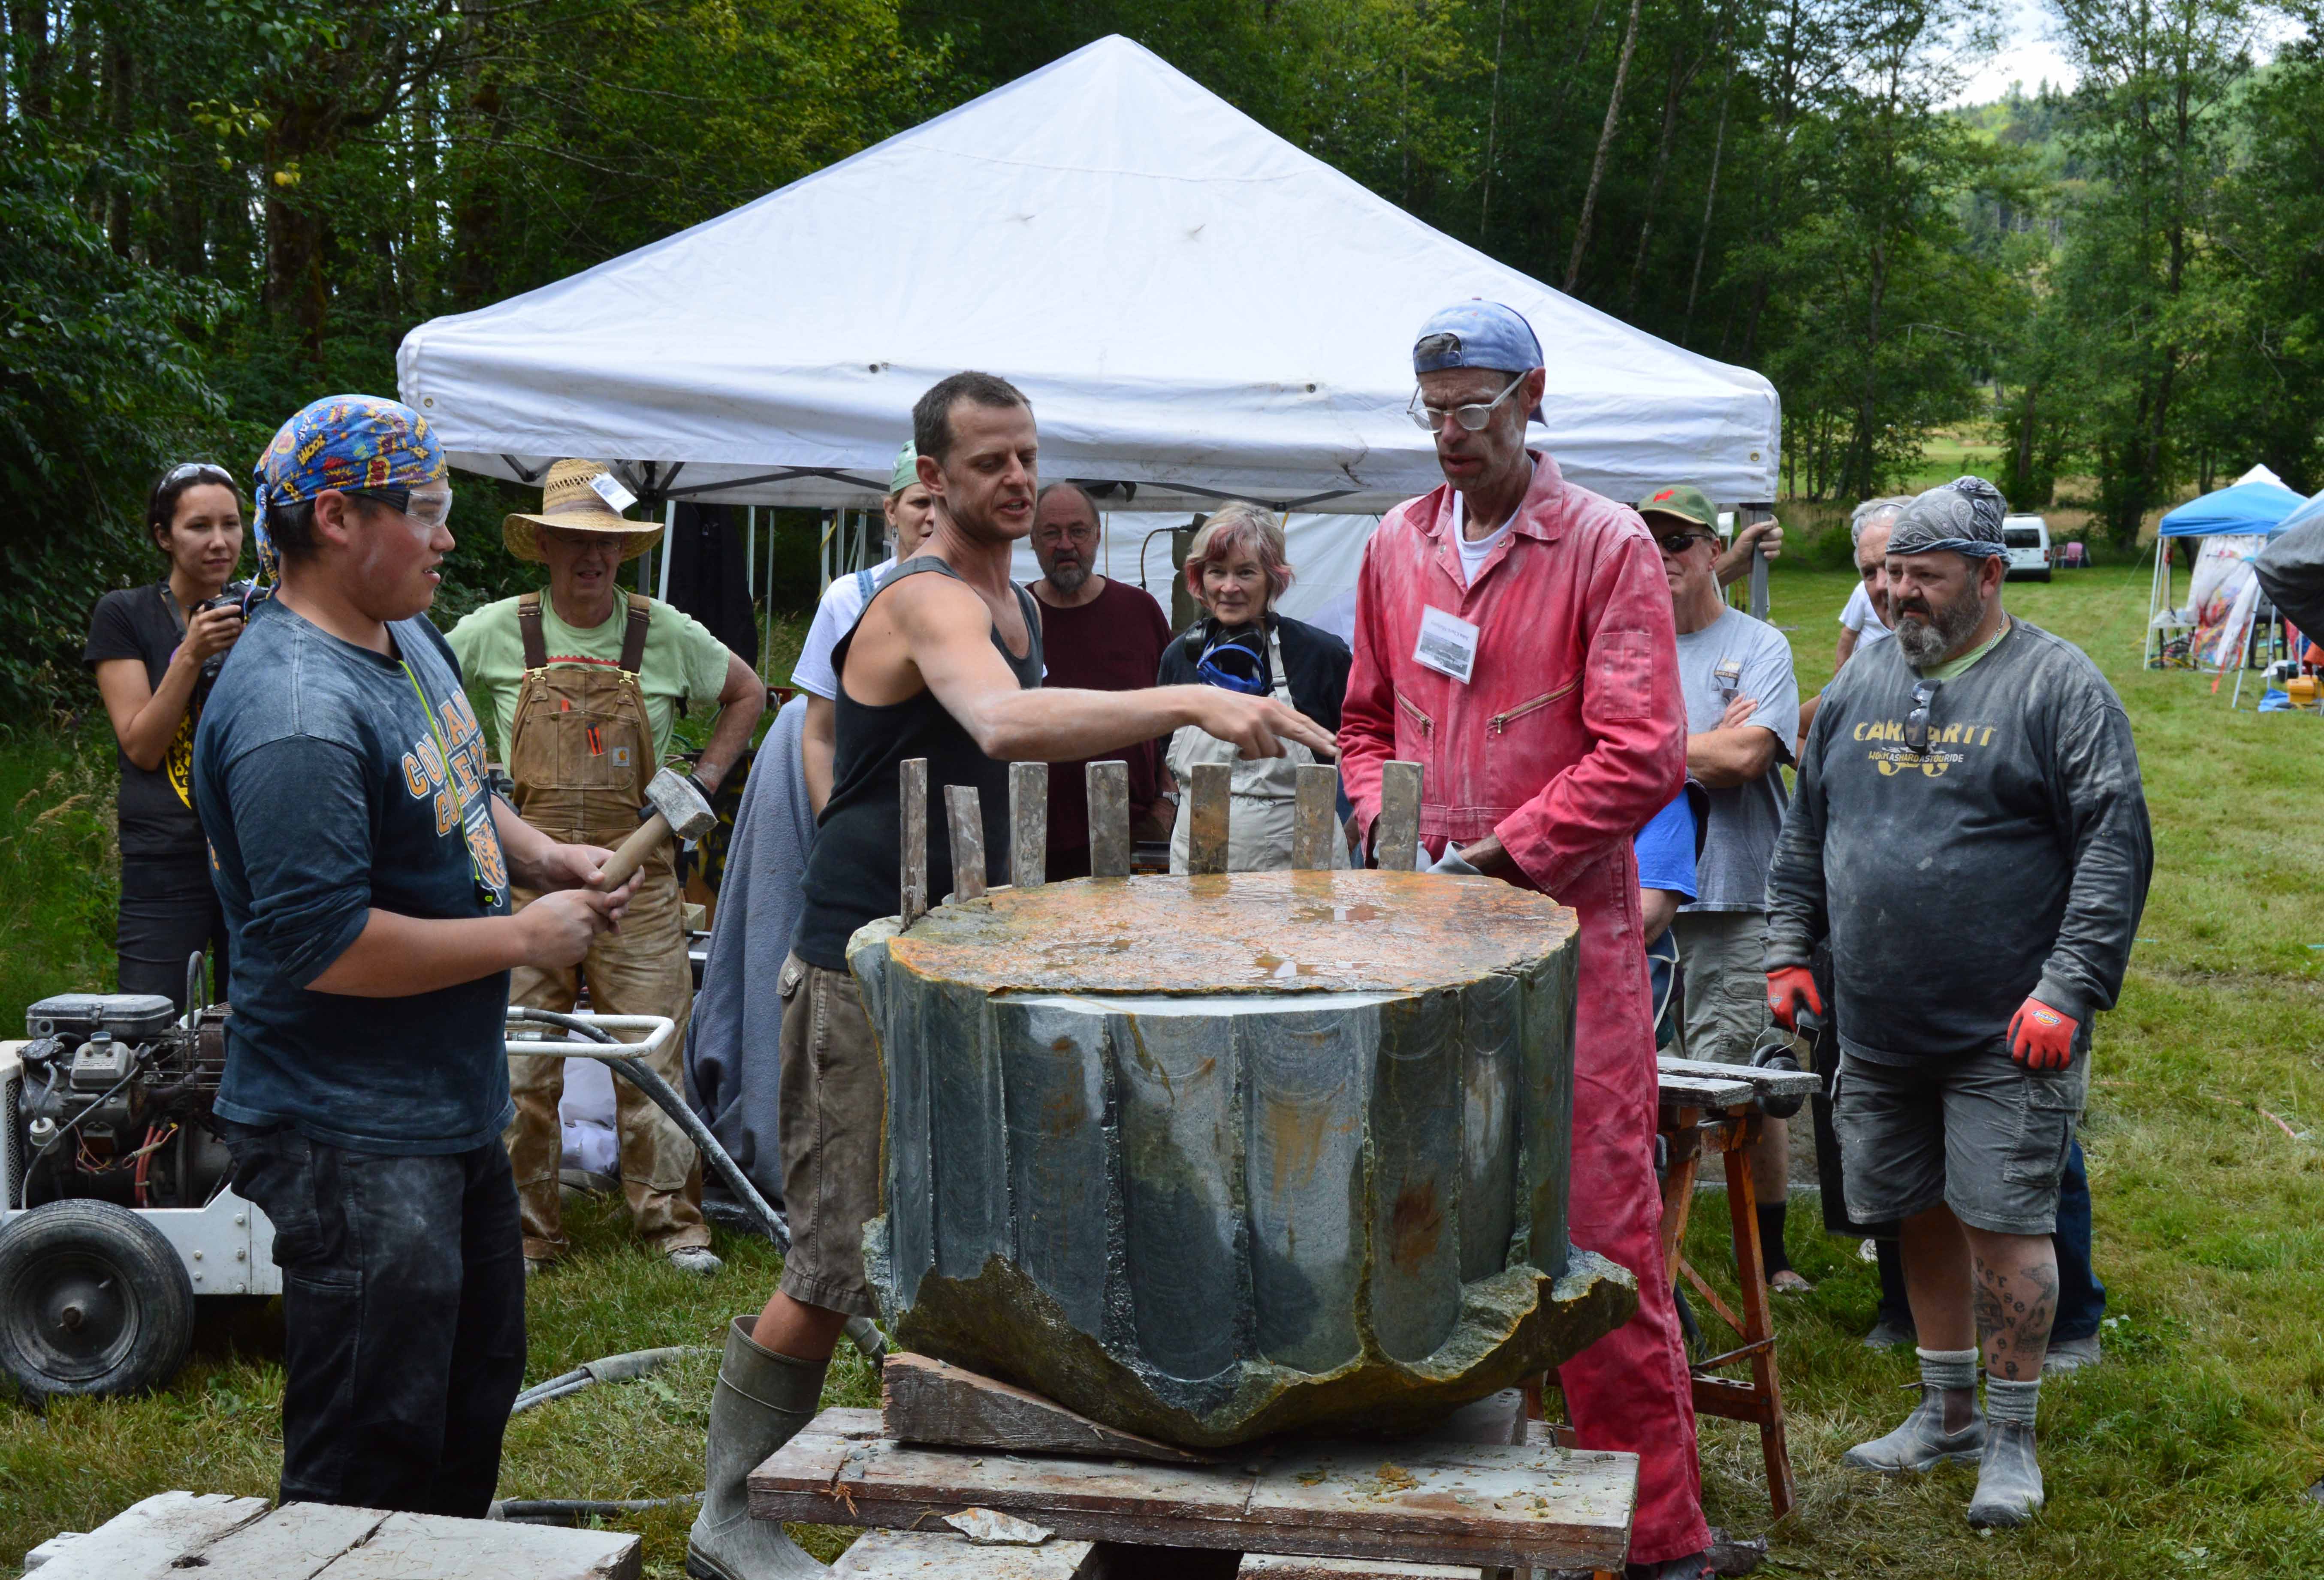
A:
x: 581, y: 752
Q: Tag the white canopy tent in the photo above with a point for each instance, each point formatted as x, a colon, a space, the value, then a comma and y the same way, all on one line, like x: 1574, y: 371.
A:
x: 1196, y: 309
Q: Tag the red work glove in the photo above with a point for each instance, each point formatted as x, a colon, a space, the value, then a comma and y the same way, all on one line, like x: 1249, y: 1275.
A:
x: 1788, y: 987
x: 2042, y: 1038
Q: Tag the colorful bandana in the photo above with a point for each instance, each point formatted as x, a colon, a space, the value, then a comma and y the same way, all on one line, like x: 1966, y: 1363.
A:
x: 343, y: 442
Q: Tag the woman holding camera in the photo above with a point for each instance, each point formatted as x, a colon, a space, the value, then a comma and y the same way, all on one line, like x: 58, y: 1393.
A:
x: 155, y: 649
x: 1236, y: 569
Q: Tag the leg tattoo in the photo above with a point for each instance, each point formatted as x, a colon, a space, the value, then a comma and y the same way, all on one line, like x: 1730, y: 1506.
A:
x: 2013, y: 1313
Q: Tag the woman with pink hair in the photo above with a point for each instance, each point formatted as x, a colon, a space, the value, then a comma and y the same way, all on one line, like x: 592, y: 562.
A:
x: 1236, y: 570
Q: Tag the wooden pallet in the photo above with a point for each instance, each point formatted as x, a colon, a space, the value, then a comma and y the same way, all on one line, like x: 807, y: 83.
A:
x: 172, y: 1535
x: 1520, y: 1506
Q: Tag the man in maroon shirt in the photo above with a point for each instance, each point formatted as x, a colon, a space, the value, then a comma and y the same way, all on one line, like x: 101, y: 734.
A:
x: 1101, y: 635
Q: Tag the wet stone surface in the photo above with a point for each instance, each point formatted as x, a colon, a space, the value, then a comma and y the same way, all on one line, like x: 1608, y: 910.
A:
x: 1211, y: 1158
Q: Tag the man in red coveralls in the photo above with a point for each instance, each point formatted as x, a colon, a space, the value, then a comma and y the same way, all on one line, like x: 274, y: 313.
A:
x: 1513, y: 637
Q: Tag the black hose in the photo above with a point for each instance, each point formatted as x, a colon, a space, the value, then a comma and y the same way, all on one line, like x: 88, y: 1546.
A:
x: 573, y: 1511
x: 860, y: 1329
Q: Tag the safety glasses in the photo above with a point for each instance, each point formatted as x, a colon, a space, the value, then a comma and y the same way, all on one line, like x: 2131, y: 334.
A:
x: 431, y: 509
x: 1430, y: 418
x: 1916, y: 723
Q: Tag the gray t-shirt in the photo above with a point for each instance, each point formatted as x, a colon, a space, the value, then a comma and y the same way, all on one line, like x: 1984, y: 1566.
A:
x: 1733, y: 657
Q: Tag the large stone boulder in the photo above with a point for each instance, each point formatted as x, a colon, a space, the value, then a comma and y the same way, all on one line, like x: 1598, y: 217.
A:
x: 1210, y: 1158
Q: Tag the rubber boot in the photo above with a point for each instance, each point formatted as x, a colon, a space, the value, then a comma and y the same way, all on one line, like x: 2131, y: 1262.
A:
x: 761, y: 1401
x: 1921, y: 1442
x: 2009, y: 1481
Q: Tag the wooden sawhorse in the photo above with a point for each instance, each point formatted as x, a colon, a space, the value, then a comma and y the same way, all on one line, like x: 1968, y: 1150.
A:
x: 1708, y: 1108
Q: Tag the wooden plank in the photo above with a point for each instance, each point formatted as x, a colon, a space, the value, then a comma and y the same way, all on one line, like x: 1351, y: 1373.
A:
x: 145, y: 1541
x: 1396, y: 832
x: 444, y: 1548
x: 1456, y: 1502
x: 1282, y: 1567
x: 1315, y: 817
x: 1209, y: 802
x: 1415, y: 1501
x: 1108, y: 785
x: 925, y: 1401
x: 1029, y: 824
x: 946, y: 1555
x: 913, y: 902
x: 964, y: 819
x: 1699, y: 1091
x: 1773, y: 1083
x: 296, y: 1540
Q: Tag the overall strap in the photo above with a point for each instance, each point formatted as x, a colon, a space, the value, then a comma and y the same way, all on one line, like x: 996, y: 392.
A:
x: 527, y: 626
x: 634, y: 639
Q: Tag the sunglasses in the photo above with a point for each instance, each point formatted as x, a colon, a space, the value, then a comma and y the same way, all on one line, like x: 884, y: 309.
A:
x: 1675, y: 543
x: 197, y: 469
x: 1430, y: 418
x: 1916, y: 723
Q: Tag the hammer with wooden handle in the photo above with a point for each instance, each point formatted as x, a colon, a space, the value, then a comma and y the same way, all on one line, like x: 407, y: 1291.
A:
x: 678, y: 809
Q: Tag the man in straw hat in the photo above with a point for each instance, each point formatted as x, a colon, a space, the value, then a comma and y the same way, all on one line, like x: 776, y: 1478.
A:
x: 584, y: 687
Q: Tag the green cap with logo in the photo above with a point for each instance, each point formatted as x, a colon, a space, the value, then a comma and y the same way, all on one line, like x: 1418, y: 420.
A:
x: 1682, y: 501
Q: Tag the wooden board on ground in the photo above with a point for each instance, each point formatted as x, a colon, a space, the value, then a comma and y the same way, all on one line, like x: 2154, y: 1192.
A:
x: 1772, y: 1083
x: 1484, y: 1505
x: 1278, y: 1566
x: 946, y: 1555
x: 173, y: 1533
x: 925, y: 1401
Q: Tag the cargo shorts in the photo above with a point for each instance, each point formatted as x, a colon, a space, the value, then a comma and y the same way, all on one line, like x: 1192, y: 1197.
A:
x: 1978, y: 1132
x: 833, y: 1098
x: 1723, y: 973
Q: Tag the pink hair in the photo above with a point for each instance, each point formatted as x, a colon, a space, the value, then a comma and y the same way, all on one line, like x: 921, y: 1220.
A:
x: 1240, y: 528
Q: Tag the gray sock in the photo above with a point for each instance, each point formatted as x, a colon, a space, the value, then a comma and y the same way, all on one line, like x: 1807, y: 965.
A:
x: 2006, y: 1401
x: 1948, y: 1368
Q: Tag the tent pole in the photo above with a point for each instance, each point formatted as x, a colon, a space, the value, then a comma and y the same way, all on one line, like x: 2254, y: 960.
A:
x: 668, y: 530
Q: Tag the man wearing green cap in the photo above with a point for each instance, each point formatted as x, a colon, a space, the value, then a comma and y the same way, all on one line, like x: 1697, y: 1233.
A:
x: 908, y: 506
x: 1742, y: 712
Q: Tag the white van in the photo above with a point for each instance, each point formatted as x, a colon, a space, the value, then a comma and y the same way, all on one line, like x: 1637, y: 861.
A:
x: 2028, y: 537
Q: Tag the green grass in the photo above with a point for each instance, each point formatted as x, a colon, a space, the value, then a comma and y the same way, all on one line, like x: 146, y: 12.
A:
x: 2186, y: 1452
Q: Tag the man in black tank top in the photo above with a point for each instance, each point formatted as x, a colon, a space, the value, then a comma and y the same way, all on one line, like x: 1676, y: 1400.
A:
x: 945, y: 663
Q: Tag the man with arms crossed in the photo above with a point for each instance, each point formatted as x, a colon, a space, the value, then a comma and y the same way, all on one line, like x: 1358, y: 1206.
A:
x: 1514, y: 638
x: 1970, y: 831
x: 944, y: 664
x: 364, y: 868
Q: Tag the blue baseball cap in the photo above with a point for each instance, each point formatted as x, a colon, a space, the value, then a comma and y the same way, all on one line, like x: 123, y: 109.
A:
x: 1478, y: 333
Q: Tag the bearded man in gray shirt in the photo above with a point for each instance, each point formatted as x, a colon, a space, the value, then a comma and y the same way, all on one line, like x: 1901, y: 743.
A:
x: 1970, y: 831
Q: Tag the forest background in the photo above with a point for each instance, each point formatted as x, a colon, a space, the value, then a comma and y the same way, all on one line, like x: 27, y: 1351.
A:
x: 212, y: 211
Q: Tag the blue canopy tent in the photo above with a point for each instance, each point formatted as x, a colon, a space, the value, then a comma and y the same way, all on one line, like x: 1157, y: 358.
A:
x: 2255, y: 505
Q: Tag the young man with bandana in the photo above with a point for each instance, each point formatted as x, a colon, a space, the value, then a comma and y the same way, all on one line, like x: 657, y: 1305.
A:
x: 364, y: 868
x: 1970, y: 831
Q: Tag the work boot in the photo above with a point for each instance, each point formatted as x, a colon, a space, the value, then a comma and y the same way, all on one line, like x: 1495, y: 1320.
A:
x: 761, y: 1401
x: 2009, y: 1480
x: 1921, y: 1443
x: 2070, y: 1354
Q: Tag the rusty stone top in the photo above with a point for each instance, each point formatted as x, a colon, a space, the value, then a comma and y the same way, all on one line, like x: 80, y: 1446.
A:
x: 1338, y: 931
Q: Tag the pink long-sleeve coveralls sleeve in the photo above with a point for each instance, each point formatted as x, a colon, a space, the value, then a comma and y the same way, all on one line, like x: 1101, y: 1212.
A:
x: 1570, y: 734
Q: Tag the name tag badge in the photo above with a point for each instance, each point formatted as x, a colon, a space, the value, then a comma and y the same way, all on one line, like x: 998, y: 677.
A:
x: 1448, y: 645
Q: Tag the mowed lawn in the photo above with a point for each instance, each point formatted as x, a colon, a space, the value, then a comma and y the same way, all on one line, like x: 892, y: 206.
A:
x: 2188, y: 1452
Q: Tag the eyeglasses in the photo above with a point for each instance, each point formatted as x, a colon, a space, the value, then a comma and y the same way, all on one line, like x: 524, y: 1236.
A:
x: 1675, y: 543
x: 429, y: 510
x: 1430, y: 418
x: 1916, y: 723
x: 197, y: 469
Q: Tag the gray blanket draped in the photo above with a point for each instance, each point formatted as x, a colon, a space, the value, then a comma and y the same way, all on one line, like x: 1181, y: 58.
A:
x: 733, y: 1049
